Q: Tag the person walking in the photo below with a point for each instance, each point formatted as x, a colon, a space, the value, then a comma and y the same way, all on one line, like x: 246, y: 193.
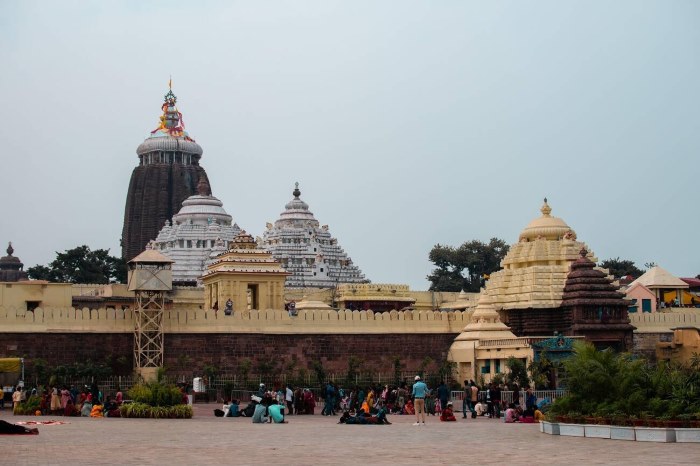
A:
x: 467, y: 403
x: 474, y: 397
x: 419, y: 391
x: 16, y: 400
x: 289, y: 398
x: 443, y: 394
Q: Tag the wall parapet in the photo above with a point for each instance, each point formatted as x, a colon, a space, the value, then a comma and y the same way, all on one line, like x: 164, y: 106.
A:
x: 663, y: 321
x: 70, y: 320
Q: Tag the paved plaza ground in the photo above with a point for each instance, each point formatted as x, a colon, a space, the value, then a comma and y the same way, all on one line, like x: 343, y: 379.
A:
x: 318, y: 440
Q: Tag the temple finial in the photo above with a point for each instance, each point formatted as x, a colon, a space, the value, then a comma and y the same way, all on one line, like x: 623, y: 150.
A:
x: 203, y: 188
x: 296, y: 192
x: 10, y: 249
x: 546, y: 210
x: 170, y: 82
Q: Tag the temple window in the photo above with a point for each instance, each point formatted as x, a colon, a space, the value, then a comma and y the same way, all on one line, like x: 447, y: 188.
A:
x: 189, y: 243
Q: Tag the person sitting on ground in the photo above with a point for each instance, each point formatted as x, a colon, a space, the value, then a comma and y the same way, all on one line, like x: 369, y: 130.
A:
x: 381, y: 413
x: 233, y: 409
x: 364, y: 419
x: 447, y: 413
x: 70, y: 409
x: 276, y: 412
x: 511, y: 414
x: 539, y: 415
x: 527, y: 416
x: 481, y: 408
x: 408, y: 408
x: 249, y: 410
x: 111, y: 408
x: 13, y: 429
x: 86, y: 409
x: 260, y: 415
x: 365, y: 407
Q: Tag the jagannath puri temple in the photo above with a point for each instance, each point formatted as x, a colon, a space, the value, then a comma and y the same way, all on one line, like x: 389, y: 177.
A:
x: 307, y: 250
x: 167, y: 174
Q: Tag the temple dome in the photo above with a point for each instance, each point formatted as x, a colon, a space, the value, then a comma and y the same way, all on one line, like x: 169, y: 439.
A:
x: 546, y: 227
x: 198, y: 231
x: 296, y: 212
x: 167, y: 143
x: 535, y: 269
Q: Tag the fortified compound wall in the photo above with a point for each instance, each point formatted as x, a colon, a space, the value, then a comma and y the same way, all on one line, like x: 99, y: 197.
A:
x: 195, y: 337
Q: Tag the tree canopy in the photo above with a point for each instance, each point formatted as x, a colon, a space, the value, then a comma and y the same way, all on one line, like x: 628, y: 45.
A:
x: 465, y: 267
x: 621, y: 268
x: 81, y: 265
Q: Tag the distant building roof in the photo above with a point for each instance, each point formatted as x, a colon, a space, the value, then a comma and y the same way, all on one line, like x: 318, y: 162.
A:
x: 656, y: 277
x: 151, y: 255
x: 692, y: 282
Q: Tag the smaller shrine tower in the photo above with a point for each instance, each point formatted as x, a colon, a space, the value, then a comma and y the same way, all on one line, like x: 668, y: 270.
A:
x: 247, y: 276
x: 11, y: 268
x: 595, y: 306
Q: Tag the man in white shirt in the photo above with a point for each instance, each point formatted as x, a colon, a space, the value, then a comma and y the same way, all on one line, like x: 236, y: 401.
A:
x: 289, y: 398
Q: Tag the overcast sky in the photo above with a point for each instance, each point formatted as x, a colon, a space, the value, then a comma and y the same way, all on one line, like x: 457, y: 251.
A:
x: 406, y: 123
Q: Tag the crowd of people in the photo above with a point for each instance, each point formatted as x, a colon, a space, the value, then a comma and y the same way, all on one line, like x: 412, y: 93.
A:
x: 371, y: 404
x: 71, y: 401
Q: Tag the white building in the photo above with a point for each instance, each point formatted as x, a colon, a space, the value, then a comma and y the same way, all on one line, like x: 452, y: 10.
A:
x: 307, y: 250
x: 199, y: 230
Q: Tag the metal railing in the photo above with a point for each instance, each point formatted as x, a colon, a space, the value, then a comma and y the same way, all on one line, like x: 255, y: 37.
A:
x: 508, y: 396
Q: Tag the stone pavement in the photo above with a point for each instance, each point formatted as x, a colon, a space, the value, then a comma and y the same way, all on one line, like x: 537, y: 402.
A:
x: 318, y: 440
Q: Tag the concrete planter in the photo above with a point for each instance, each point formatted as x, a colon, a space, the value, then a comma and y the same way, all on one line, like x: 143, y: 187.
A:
x: 596, y: 431
x: 572, y: 430
x: 622, y: 433
x: 551, y: 428
x: 688, y: 435
x: 655, y: 434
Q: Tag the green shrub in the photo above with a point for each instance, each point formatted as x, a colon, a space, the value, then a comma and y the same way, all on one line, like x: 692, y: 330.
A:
x: 609, y: 384
x: 140, y: 394
x: 142, y: 410
x: 30, y: 406
x: 156, y: 394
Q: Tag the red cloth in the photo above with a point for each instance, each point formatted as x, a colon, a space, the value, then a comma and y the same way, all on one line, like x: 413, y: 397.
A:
x: 447, y: 415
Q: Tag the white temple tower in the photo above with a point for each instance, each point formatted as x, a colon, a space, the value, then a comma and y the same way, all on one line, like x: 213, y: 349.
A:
x: 307, y: 250
x: 200, y: 227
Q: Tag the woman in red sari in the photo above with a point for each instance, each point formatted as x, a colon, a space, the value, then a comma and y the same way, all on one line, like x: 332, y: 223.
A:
x: 309, y: 402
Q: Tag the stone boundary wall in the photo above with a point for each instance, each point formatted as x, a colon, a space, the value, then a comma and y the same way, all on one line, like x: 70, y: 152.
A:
x: 656, y: 322
x: 190, y: 352
x: 70, y: 320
